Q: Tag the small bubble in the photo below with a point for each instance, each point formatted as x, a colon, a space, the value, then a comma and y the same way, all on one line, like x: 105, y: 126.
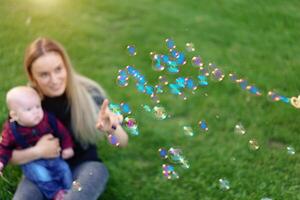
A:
x: 224, y: 184
x: 76, y: 186
x: 160, y: 112
x: 131, y: 50
x: 203, y: 125
x: 188, y: 131
x: 197, y: 61
x: 189, y: 47
x: 163, y: 153
x: 169, y: 172
x: 290, y: 150
x: 265, y: 198
x: 253, y: 144
x: 239, y: 129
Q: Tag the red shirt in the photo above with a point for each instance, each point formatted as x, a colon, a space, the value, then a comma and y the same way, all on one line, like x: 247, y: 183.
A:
x: 31, y: 135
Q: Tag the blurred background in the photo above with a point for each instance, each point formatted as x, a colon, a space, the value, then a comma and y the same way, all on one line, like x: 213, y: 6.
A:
x: 257, y: 40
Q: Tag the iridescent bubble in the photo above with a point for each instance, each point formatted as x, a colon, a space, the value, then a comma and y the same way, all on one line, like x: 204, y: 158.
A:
x: 170, y: 43
x: 122, y: 79
x: 160, y: 112
x: 290, y: 150
x: 253, y: 90
x: 163, y: 153
x: 224, y: 184
x: 132, y: 71
x: 202, y: 80
x: 113, y: 140
x: 131, y: 50
x: 133, y: 131
x: 147, y: 108
x: 130, y: 123
x: 175, y: 89
x: 253, y: 144
x: 190, y: 47
x: 125, y: 108
x: 203, y: 71
x: 115, y: 108
x: 180, y: 81
x: 169, y: 172
x: 140, y: 87
x: 190, y: 84
x: 175, y: 155
x: 273, y: 96
x: 163, y: 80
x: 197, y: 61
x: 149, y: 90
x: 157, y: 62
x: 155, y: 98
x: 76, y: 186
x: 203, y: 125
x: 233, y: 77
x: 239, y: 129
x: 217, y: 74
x: 243, y: 84
x: 158, y: 89
x: 188, y: 131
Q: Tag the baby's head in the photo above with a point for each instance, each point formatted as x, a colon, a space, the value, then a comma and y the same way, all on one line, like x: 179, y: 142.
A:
x: 24, y: 106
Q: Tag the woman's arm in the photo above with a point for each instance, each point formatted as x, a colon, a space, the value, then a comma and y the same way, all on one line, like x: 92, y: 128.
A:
x: 46, y: 147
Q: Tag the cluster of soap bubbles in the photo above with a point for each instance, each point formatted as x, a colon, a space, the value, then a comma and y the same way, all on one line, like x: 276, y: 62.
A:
x: 172, y: 62
x: 244, y: 85
x: 140, y: 82
x: 129, y: 123
x: 174, y: 156
x: 273, y: 96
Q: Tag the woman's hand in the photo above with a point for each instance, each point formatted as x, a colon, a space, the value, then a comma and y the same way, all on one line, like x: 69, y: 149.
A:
x: 47, y: 147
x: 110, y: 123
x: 107, y: 120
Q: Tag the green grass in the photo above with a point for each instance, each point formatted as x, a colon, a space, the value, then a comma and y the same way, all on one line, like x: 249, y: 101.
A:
x: 258, y: 40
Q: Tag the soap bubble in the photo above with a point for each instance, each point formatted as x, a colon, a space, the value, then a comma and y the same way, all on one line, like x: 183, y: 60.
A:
x: 197, y: 61
x: 189, y: 47
x: 203, y: 125
x: 76, y: 186
x: 188, y: 131
x: 160, y: 112
x: 290, y: 150
x: 239, y: 129
x: 131, y: 50
x: 170, y: 43
x: 113, y: 140
x: 169, y: 172
x: 224, y: 184
x: 163, y: 153
x: 253, y: 144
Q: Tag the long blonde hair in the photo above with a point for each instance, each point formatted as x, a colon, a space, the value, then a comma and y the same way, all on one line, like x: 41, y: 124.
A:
x: 83, y: 107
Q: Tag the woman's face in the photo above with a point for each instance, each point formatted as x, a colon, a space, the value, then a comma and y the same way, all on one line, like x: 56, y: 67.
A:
x: 50, y: 74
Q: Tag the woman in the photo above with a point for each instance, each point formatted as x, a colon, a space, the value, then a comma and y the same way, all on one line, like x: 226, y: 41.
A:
x: 75, y: 101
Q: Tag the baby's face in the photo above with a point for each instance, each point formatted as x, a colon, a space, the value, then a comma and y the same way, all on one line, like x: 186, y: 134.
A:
x: 29, y: 111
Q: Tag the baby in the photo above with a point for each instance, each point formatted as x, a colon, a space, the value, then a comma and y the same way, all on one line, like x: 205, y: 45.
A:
x: 27, y: 123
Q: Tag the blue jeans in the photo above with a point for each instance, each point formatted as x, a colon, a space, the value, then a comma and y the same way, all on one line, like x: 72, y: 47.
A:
x: 50, y: 175
x: 91, y: 175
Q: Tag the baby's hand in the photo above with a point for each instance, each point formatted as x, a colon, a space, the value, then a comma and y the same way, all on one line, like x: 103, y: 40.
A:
x: 67, y: 153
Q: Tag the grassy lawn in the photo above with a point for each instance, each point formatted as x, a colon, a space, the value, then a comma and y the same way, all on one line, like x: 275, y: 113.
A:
x: 257, y: 40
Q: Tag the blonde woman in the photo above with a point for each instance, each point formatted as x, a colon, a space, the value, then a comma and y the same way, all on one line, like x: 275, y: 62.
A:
x: 75, y: 101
